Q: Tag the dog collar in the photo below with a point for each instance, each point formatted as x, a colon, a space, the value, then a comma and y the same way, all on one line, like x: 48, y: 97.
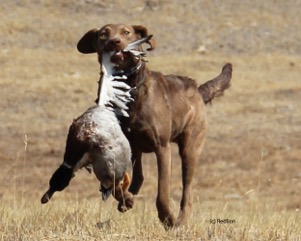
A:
x: 67, y: 165
x: 133, y: 91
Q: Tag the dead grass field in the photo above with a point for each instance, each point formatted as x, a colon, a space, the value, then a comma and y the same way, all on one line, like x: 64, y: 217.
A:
x: 250, y: 170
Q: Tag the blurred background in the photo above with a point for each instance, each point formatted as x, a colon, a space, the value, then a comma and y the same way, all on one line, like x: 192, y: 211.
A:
x: 253, y: 148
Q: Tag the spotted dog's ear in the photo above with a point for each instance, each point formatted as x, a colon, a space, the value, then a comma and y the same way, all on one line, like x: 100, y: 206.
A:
x: 87, y: 44
x: 142, y: 32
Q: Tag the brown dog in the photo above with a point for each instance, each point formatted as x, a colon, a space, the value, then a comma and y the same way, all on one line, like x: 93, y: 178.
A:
x: 166, y: 108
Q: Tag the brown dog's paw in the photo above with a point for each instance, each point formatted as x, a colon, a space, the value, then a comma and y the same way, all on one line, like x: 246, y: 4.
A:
x: 126, y: 204
x: 129, y: 202
x: 122, y: 208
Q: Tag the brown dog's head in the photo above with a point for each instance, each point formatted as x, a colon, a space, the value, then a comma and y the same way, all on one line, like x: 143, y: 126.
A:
x: 113, y: 37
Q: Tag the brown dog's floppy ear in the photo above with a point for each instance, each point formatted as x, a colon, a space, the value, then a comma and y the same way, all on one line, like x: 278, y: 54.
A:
x: 87, y: 44
x: 142, y: 32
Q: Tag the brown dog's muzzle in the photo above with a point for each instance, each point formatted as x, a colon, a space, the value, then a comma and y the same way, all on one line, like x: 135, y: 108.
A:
x: 116, y: 46
x: 113, y: 44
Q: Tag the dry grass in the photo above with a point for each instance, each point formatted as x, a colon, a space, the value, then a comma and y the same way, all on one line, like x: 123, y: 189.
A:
x: 250, y: 170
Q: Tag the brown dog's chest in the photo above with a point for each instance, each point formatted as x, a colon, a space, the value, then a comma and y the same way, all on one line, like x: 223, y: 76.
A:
x: 142, y: 130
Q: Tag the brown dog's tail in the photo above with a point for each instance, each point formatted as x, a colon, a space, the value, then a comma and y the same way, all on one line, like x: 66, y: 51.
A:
x: 216, y: 86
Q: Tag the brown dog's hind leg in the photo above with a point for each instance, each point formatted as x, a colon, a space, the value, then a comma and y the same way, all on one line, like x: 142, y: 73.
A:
x: 190, y: 149
x: 164, y: 170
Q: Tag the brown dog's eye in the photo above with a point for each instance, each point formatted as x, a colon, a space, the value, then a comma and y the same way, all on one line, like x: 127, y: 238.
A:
x: 103, y: 35
x: 126, y: 32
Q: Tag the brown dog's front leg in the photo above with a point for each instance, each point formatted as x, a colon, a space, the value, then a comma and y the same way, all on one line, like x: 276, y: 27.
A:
x: 137, y: 177
x: 164, y: 170
x: 123, y: 196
